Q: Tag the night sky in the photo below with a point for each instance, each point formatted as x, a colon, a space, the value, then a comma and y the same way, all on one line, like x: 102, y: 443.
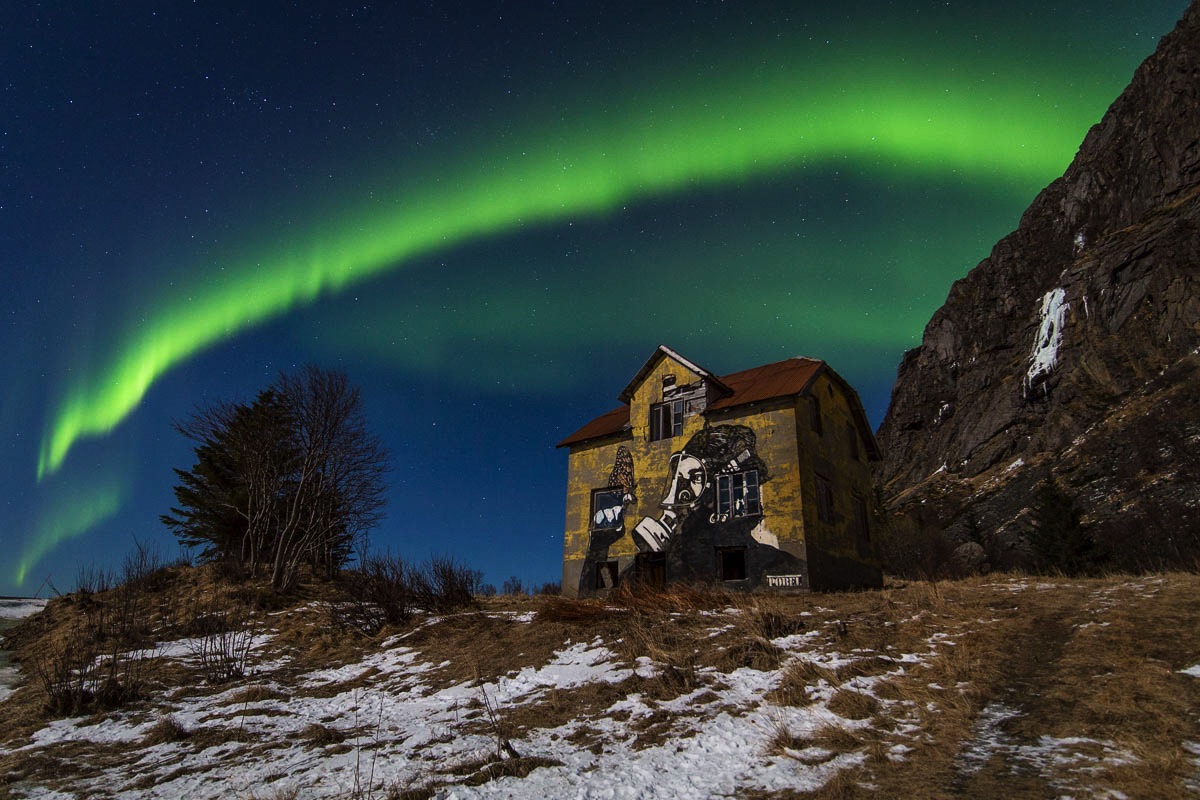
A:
x: 488, y: 215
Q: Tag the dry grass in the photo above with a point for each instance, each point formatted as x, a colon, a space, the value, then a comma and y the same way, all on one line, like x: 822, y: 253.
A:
x: 1095, y: 662
x: 166, y: 730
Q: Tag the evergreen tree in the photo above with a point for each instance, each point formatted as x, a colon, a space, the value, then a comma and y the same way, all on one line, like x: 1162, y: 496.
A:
x: 293, y: 478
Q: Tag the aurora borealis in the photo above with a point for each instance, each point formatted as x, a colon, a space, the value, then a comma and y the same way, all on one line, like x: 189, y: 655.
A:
x: 488, y: 217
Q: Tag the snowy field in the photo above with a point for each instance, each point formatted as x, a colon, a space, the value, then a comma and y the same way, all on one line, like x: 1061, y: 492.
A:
x: 12, y: 611
x: 590, y: 721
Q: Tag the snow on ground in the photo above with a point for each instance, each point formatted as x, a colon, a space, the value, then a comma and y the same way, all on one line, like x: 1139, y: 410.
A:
x: 398, y: 730
x: 10, y: 612
x: 20, y: 608
x: 398, y: 719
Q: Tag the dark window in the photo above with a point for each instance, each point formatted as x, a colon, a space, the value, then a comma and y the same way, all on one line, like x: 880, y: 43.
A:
x: 608, y: 510
x: 737, y: 495
x: 606, y: 575
x: 814, y: 413
x: 666, y: 420
x: 862, y: 527
x: 731, y: 563
x: 824, y: 499
x: 852, y: 442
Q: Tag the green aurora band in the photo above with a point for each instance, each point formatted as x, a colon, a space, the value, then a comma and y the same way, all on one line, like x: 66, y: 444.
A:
x: 902, y: 119
x: 63, y: 521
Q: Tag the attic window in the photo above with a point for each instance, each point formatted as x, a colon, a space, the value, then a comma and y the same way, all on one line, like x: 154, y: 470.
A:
x: 666, y: 420
x: 852, y: 441
x: 814, y: 414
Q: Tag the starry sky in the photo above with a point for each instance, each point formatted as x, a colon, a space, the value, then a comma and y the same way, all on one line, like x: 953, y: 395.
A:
x: 488, y: 215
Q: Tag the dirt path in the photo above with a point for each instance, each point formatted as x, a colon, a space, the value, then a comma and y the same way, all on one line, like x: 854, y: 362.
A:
x: 998, y: 760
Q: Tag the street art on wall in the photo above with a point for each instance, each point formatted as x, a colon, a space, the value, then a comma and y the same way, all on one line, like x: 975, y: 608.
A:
x: 720, y: 466
x: 608, y: 505
x: 709, y: 520
x: 622, y: 473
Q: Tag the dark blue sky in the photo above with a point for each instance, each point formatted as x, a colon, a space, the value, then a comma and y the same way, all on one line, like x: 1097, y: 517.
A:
x: 488, y: 215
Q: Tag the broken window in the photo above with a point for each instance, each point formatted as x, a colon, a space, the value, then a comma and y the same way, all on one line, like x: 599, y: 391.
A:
x: 737, y: 495
x: 731, y: 563
x: 607, y: 574
x: 608, y: 509
x: 666, y: 420
x: 824, y: 499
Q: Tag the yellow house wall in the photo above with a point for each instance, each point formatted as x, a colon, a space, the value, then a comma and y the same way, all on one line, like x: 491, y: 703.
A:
x: 830, y: 454
x: 782, y: 501
x: 785, y: 442
x: 590, y: 466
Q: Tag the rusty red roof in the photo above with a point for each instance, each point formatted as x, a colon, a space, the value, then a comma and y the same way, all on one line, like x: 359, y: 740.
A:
x: 614, y: 421
x: 781, y: 379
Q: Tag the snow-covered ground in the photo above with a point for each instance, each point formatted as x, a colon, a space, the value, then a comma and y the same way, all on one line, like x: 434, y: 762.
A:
x: 12, y: 611
x: 585, y: 716
x: 402, y: 731
x: 20, y: 608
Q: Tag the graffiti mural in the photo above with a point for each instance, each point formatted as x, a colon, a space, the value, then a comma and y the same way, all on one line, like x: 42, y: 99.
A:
x: 622, y: 474
x: 608, y: 521
x: 719, y: 469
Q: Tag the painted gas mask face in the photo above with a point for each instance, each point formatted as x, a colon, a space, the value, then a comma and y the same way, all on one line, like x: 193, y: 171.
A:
x: 686, y: 483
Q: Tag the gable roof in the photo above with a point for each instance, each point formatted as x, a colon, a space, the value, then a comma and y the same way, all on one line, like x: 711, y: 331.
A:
x: 781, y: 379
x: 785, y: 378
x: 665, y: 352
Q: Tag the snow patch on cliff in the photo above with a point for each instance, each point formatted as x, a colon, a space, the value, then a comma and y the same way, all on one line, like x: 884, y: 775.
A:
x: 1044, y: 357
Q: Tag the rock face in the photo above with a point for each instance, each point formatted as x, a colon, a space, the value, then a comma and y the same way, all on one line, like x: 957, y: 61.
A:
x: 1073, y: 347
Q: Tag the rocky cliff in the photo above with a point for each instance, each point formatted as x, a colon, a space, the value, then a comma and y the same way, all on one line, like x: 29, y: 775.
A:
x: 1071, y: 351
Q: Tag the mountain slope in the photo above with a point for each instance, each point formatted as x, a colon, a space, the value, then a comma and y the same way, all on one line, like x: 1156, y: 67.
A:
x: 1072, y: 347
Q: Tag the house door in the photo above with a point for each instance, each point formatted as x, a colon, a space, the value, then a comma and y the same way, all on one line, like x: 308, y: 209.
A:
x: 652, y: 569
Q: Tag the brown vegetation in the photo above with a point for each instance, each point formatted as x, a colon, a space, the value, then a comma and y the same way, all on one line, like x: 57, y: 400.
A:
x: 998, y: 686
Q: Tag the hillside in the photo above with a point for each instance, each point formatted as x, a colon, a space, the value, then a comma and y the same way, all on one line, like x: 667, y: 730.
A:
x: 998, y: 686
x: 1071, y: 351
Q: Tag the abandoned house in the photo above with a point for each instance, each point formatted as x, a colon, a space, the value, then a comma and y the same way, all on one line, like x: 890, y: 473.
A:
x: 756, y: 480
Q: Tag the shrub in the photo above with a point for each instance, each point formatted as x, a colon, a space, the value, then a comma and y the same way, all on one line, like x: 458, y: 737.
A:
x: 1059, y: 542
x: 378, y: 593
x: 166, y: 730
x: 385, y: 590
x: 223, y: 650
x: 444, y: 585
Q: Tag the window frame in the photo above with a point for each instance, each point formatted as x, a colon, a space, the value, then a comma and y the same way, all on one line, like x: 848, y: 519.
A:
x: 862, y: 525
x: 666, y: 419
x: 815, y: 417
x: 619, y: 523
x: 613, y: 568
x: 735, y: 487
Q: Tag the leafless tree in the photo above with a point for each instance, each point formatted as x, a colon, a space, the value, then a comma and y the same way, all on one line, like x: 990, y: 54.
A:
x: 294, y: 478
x: 334, y: 492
